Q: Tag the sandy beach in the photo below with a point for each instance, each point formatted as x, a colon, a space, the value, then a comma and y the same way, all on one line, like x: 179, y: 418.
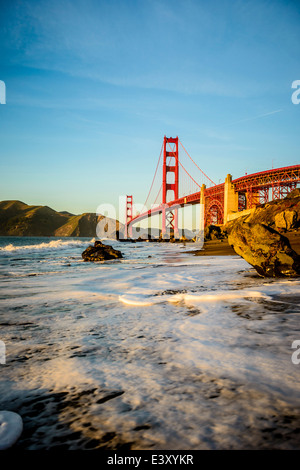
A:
x: 215, y: 248
x: 222, y: 248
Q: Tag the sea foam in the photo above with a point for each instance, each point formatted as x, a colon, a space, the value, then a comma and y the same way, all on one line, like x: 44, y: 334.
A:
x: 53, y: 244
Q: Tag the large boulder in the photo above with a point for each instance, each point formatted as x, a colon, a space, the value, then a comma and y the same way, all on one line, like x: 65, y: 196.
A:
x: 265, y: 249
x: 100, y: 252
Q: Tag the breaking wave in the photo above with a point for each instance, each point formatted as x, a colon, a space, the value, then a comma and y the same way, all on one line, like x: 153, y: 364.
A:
x: 53, y: 244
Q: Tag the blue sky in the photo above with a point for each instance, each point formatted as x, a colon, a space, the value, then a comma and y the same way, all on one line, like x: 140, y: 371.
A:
x: 93, y: 86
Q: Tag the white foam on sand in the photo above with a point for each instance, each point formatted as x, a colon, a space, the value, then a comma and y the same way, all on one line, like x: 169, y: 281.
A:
x: 11, y: 427
x: 218, y: 296
x: 135, y: 300
x: 194, y: 344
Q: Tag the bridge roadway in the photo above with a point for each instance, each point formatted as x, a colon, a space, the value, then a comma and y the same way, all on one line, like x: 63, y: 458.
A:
x: 255, y: 187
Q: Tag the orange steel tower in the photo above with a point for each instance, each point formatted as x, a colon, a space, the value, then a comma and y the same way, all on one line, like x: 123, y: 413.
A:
x: 129, y: 215
x: 170, y: 220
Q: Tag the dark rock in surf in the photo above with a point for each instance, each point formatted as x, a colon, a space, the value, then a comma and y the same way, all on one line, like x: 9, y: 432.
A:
x: 100, y: 252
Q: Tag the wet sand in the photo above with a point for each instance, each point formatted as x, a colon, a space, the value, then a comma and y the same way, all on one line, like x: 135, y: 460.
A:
x: 222, y: 247
x: 214, y: 373
x: 215, y: 248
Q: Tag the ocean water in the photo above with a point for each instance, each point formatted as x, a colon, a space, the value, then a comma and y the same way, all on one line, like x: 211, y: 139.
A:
x: 158, y: 350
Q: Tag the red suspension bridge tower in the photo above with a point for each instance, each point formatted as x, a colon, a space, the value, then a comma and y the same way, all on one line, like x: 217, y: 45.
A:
x: 170, y: 151
x: 129, y: 214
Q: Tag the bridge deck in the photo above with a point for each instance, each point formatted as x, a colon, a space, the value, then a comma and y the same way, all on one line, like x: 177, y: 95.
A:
x: 254, y: 182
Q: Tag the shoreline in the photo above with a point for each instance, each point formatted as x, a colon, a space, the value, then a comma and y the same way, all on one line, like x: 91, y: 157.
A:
x: 215, y: 248
x: 221, y: 247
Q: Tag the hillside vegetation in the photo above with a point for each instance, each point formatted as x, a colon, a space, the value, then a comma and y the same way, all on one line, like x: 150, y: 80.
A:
x: 20, y: 219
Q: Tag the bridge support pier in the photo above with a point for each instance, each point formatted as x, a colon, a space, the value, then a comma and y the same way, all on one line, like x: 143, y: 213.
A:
x: 202, y: 194
x: 200, y: 236
x: 231, y: 198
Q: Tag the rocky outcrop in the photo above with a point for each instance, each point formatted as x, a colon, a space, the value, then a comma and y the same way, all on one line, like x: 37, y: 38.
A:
x: 268, y: 238
x: 286, y: 220
x: 213, y: 232
x: 100, y: 252
x: 268, y: 251
x: 281, y: 214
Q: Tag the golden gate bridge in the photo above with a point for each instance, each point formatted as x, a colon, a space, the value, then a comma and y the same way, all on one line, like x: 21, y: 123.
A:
x: 221, y: 202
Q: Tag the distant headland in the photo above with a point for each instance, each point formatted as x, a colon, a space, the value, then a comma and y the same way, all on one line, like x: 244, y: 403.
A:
x: 20, y: 219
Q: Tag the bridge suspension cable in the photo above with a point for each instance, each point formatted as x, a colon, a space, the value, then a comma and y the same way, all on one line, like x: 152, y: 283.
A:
x: 185, y: 169
x: 158, y: 194
x: 156, y: 200
x: 188, y: 184
x: 195, y: 164
x: 145, y: 205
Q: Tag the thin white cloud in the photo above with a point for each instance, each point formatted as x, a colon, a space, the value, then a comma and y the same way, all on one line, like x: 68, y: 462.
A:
x: 254, y: 117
